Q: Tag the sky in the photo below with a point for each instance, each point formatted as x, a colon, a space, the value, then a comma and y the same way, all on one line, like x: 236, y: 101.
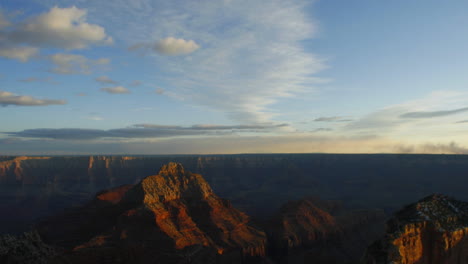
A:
x: 233, y: 76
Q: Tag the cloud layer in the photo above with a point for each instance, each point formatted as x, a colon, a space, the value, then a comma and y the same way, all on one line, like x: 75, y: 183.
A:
x: 7, y: 98
x: 139, y: 131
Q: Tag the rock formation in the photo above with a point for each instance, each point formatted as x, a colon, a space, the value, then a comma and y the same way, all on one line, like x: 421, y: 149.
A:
x: 316, y: 231
x: 172, y: 216
x: 258, y: 184
x: 432, y: 231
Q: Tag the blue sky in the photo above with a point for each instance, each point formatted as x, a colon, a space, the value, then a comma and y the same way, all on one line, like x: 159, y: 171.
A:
x: 165, y: 77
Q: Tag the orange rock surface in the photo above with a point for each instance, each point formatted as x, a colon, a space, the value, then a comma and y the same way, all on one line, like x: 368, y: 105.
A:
x: 431, y: 231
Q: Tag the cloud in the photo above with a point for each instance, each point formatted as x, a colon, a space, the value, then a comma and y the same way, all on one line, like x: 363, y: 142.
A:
x: 461, y: 121
x: 74, y: 64
x: 322, y: 129
x: 95, y: 118
x: 168, y: 46
x: 37, y: 79
x: 159, y: 91
x: 440, y: 148
x: 20, y: 53
x: 139, y: 131
x: 216, y: 127
x: 3, y: 21
x: 332, y: 119
x: 65, y: 28
x: 171, y: 46
x: 105, y: 80
x: 135, y: 83
x: 412, y: 120
x: 116, y: 90
x: 7, y: 98
x: 433, y: 114
x: 252, y: 52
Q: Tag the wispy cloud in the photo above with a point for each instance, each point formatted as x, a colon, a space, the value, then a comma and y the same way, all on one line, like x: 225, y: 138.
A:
x: 105, y: 80
x: 251, y: 52
x: 116, y: 90
x: 136, y: 83
x: 420, y: 119
x: 74, y: 64
x: 3, y: 21
x: 332, y: 119
x: 433, y: 113
x: 7, y: 98
x: 38, y: 79
x: 94, y: 118
x: 159, y: 91
x: 139, y: 131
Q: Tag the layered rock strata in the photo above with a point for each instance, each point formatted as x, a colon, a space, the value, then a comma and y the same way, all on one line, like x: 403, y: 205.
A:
x: 432, y: 231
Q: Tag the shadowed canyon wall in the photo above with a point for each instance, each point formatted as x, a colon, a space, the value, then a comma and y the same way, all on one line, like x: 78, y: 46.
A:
x: 32, y: 187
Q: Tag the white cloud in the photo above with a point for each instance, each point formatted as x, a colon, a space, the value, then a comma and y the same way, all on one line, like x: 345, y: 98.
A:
x: 116, y: 90
x: 20, y: 53
x: 7, y: 98
x: 74, y: 64
x: 170, y: 46
x: 105, y: 80
x: 65, y: 28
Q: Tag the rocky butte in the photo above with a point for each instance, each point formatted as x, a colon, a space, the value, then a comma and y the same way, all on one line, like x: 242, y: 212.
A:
x: 311, y: 230
x: 432, y: 231
x: 172, y: 217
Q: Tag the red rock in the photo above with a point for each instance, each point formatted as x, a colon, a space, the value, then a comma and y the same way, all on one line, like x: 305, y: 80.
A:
x: 171, y: 211
x: 434, y: 230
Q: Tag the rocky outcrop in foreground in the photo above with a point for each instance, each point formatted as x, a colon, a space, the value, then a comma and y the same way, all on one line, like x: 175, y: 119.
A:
x: 173, y: 217
x: 432, y: 231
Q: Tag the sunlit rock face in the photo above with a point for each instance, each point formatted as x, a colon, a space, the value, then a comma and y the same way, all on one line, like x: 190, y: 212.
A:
x: 431, y: 231
x: 317, y: 231
x: 171, y: 214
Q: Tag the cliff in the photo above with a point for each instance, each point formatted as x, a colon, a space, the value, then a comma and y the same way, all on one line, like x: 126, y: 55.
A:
x: 171, y: 214
x: 316, y: 231
x: 433, y: 230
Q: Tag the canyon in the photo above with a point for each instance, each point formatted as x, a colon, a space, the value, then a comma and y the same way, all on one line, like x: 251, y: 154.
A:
x: 105, y: 210
x: 258, y: 184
